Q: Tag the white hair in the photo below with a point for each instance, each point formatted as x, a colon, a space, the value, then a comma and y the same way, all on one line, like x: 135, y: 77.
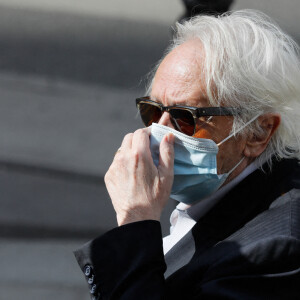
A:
x: 252, y: 64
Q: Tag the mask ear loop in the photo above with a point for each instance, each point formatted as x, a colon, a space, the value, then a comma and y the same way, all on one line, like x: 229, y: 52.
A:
x: 236, y: 166
x: 231, y: 135
x: 245, y: 125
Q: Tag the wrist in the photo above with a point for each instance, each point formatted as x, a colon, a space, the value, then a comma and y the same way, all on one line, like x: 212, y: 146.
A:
x: 128, y: 218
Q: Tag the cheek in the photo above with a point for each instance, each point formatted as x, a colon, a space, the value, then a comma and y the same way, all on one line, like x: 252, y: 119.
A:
x: 215, y: 130
x: 225, y: 158
x: 203, y: 133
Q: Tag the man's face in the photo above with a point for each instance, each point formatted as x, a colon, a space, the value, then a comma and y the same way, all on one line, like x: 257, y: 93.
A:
x: 179, y: 80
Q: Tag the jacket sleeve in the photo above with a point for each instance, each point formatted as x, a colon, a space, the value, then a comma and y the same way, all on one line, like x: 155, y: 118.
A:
x: 125, y: 263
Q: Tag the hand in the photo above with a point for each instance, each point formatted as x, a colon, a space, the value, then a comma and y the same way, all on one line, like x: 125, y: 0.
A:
x: 138, y: 189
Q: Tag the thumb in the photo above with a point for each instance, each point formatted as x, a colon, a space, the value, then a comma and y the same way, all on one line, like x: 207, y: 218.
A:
x: 166, y: 156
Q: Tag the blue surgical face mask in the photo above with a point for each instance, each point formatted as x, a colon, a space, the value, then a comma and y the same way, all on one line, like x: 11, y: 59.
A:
x: 195, y: 164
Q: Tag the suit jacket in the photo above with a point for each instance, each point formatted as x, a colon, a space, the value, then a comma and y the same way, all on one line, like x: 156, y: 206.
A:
x: 246, y: 247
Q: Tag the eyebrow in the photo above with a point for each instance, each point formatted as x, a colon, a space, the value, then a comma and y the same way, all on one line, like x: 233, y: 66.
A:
x: 179, y: 103
x: 153, y: 98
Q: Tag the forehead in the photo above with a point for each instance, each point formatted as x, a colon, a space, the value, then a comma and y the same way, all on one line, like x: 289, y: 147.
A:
x: 180, y: 77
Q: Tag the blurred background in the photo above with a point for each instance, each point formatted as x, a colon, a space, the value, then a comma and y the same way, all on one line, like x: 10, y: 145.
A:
x: 70, y: 71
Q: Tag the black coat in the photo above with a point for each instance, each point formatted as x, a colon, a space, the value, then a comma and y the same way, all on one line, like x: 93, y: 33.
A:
x: 246, y: 247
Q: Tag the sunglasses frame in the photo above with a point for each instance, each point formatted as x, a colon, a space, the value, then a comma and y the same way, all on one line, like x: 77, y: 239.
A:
x: 196, y: 112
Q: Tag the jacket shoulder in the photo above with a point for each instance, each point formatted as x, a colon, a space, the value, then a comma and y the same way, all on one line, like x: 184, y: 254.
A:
x: 281, y: 219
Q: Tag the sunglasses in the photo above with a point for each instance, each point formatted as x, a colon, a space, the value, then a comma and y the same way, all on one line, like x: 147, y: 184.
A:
x: 183, y: 118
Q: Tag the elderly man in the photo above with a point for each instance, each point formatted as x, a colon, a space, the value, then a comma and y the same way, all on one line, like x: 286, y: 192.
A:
x: 224, y: 142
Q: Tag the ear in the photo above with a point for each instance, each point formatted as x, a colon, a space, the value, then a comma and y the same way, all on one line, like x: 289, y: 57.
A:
x: 255, y: 145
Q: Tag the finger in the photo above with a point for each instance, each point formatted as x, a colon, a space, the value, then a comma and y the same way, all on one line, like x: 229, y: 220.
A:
x: 127, y: 142
x: 125, y: 146
x: 141, y: 141
x: 166, y: 156
x: 148, y: 130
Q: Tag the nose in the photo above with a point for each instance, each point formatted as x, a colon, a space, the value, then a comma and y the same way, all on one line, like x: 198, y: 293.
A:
x: 166, y: 120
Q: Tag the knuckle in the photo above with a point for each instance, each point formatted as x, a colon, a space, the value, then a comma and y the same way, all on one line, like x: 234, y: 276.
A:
x: 118, y: 156
x: 129, y: 135
x: 142, y: 132
x: 139, y: 131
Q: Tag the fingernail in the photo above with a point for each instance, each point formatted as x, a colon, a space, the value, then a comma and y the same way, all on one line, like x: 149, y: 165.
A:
x: 170, y: 138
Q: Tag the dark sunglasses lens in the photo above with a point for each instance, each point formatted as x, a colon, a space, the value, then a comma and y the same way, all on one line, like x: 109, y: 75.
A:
x: 183, y: 121
x: 149, y: 113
